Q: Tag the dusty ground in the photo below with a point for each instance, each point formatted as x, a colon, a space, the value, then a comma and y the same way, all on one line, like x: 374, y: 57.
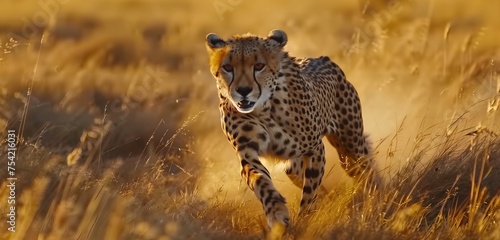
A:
x: 129, y: 80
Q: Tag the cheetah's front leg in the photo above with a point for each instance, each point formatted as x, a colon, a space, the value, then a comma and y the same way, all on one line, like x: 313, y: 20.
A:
x: 313, y: 175
x: 259, y: 181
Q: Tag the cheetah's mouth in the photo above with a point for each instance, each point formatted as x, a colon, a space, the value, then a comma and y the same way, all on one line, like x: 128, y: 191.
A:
x: 245, y: 104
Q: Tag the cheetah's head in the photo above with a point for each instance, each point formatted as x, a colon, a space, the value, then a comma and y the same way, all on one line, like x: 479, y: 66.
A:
x: 246, y: 67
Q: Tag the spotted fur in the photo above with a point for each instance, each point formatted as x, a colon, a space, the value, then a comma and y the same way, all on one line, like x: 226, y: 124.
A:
x: 272, y: 104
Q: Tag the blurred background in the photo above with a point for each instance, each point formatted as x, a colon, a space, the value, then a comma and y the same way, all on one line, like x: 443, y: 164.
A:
x: 116, y: 96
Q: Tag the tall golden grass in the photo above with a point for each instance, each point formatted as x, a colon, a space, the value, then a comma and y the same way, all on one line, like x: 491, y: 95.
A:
x: 118, y: 127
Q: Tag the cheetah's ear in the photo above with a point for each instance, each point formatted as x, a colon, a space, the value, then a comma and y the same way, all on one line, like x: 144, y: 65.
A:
x: 279, y: 36
x: 214, y: 41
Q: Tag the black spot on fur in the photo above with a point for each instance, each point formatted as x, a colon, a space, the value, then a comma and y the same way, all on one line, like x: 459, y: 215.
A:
x: 262, y: 136
x: 342, y: 87
x: 247, y: 128
x: 311, y: 173
x: 278, y: 135
x: 253, y: 145
x: 267, y: 200
x: 280, y: 152
x: 235, y: 134
x: 244, y: 163
x: 243, y: 139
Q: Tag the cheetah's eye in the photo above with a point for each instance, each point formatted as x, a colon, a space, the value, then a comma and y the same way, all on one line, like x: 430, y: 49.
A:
x: 258, y: 66
x: 227, y: 67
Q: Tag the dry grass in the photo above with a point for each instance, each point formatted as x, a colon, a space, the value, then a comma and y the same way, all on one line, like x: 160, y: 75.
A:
x: 130, y: 83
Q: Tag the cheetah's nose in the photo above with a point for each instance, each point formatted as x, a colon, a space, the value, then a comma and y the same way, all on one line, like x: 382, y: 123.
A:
x: 243, y: 91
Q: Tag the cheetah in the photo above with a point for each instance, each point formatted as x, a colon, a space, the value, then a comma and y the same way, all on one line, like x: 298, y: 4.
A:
x: 275, y: 105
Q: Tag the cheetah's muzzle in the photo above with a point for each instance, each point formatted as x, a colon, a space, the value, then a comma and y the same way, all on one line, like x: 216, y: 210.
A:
x: 245, y: 104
